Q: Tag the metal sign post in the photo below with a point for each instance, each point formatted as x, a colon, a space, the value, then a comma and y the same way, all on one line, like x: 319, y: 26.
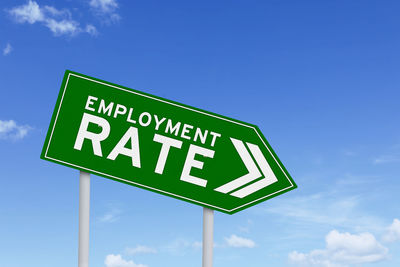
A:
x: 84, y: 208
x: 208, y: 237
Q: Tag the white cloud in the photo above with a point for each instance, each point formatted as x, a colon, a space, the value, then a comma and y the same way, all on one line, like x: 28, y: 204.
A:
x: 90, y: 29
x: 108, y: 217
x: 181, y: 246
x: 105, y: 6
x: 117, y: 261
x: 67, y: 27
x: 140, y: 250
x: 387, y: 159
x: 59, y: 22
x: 312, y: 259
x: 392, y: 155
x: 239, y: 242
x: 7, y: 50
x: 316, y: 208
x: 342, y: 249
x: 111, y: 216
x: 57, y: 13
x: 105, y: 9
x: 393, y: 232
x: 30, y: 12
x: 330, y: 208
x: 12, y: 131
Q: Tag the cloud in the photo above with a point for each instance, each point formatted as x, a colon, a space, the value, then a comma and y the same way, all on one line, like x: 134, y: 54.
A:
x: 57, y: 13
x: 7, y: 50
x: 140, y: 250
x: 342, y: 249
x: 105, y: 6
x: 387, y: 159
x: 239, y: 242
x: 105, y: 9
x: 330, y: 208
x: 392, y: 232
x: 12, y: 131
x: 117, y: 261
x: 30, y: 12
x: 67, y: 27
x: 391, y: 156
x: 316, y: 208
x: 181, y: 246
x: 90, y: 29
x: 311, y: 259
x: 59, y: 22
x: 111, y: 216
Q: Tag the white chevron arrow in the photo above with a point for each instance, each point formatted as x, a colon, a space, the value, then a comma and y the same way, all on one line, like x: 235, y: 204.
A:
x: 253, y: 172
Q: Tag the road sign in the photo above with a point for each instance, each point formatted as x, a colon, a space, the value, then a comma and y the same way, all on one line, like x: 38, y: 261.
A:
x: 163, y: 146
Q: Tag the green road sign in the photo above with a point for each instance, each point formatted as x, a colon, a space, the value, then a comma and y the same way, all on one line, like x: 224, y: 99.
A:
x: 163, y: 146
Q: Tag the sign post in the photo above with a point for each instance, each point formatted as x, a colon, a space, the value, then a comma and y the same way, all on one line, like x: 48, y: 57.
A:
x: 84, y: 211
x: 208, y: 237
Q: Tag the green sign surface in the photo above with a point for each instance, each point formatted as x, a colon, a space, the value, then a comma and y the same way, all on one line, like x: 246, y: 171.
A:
x: 163, y: 146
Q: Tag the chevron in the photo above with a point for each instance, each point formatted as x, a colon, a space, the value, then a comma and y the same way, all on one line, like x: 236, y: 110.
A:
x: 253, y: 172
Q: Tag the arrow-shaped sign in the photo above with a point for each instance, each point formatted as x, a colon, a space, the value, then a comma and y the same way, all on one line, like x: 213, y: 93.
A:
x: 162, y: 146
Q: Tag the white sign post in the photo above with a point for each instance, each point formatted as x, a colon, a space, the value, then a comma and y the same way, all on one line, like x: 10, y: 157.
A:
x: 208, y: 237
x: 84, y: 208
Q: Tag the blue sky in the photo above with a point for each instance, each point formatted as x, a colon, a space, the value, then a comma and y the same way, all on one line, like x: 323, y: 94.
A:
x: 319, y: 78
